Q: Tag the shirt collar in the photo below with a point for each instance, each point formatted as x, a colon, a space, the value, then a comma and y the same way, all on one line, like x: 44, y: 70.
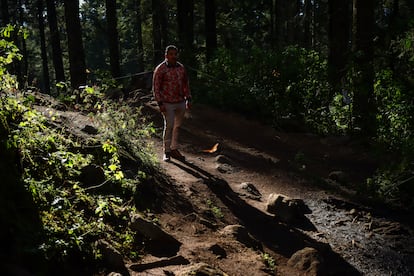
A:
x: 170, y: 65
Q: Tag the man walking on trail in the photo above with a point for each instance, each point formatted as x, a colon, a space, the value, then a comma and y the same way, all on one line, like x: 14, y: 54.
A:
x: 172, y: 93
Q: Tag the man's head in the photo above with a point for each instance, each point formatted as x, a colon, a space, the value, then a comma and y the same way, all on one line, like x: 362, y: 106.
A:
x: 171, y: 54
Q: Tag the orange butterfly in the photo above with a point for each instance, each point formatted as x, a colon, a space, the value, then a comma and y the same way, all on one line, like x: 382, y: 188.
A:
x: 212, y: 150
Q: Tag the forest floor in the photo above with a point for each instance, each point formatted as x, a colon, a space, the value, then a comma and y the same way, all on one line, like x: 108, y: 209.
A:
x: 350, y: 237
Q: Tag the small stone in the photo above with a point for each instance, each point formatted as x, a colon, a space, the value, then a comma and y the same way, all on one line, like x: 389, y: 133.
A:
x: 250, y: 188
x: 90, y: 130
x: 218, y: 250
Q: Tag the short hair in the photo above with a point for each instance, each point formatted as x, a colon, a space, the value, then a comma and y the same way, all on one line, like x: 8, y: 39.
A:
x: 170, y: 47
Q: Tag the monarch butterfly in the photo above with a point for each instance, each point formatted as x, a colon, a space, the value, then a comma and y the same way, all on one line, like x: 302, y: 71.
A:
x: 212, y: 150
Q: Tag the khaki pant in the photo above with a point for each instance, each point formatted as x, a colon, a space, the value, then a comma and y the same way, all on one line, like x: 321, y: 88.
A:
x: 173, y: 118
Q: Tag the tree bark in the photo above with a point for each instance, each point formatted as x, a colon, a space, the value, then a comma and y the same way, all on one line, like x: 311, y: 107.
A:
x: 339, y: 37
x: 46, y: 77
x: 280, y: 23
x: 307, y: 36
x: 113, y: 40
x: 158, y: 52
x: 22, y: 65
x: 164, y: 24
x: 77, y: 65
x: 5, y: 12
x: 185, y: 23
x: 273, y: 24
x: 211, y: 32
x: 320, y: 24
x: 138, y: 28
x: 363, y: 51
x: 55, y: 41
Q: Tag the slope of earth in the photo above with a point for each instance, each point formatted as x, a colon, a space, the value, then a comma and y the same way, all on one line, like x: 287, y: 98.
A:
x: 228, y: 226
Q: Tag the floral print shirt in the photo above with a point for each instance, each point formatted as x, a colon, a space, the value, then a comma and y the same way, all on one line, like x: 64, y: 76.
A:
x: 170, y: 83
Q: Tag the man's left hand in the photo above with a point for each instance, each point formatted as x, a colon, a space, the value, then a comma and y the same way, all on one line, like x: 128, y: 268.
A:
x: 187, y: 104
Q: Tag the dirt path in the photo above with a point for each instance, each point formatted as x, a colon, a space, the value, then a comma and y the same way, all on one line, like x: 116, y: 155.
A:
x: 352, y: 238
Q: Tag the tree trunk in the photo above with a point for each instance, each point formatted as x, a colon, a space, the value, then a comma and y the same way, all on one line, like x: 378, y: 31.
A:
x: 138, y: 28
x: 273, y: 24
x: 156, y: 33
x: 280, y: 23
x: 363, y: 101
x: 211, y: 32
x: 185, y: 22
x: 23, y: 65
x: 339, y: 38
x: 113, y: 40
x: 320, y: 24
x: 55, y: 41
x: 77, y: 65
x: 5, y: 12
x: 294, y: 33
x: 307, y: 35
x: 164, y: 24
x: 46, y: 78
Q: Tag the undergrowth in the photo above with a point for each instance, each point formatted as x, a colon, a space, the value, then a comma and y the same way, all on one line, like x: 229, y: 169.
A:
x: 289, y: 89
x: 75, y: 214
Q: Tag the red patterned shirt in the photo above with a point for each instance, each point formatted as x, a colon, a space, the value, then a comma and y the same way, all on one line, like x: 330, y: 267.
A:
x: 170, y: 83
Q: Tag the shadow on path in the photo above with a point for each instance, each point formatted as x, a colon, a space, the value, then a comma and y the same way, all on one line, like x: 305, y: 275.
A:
x: 279, y: 237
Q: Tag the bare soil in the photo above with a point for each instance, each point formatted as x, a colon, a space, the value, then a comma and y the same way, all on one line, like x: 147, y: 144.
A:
x: 352, y: 236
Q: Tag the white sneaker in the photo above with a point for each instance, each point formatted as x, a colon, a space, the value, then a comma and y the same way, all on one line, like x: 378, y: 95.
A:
x: 166, y: 157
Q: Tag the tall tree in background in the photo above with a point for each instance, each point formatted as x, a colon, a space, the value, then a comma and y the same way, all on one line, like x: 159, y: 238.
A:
x: 22, y: 65
x: 55, y: 41
x: 46, y: 77
x: 308, y: 18
x: 273, y: 24
x: 339, y: 38
x: 94, y: 36
x: 158, y: 52
x: 211, y: 32
x: 320, y: 25
x: 286, y: 22
x: 292, y: 22
x: 138, y: 29
x: 280, y: 22
x: 5, y: 12
x: 164, y: 24
x: 185, y: 23
x: 113, y: 40
x: 363, y: 51
x: 77, y: 65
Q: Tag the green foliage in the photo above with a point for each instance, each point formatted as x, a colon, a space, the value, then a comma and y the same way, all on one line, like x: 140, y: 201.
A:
x: 269, y: 262
x: 341, y: 112
x: 8, y: 53
x: 215, y: 209
x: 394, y: 91
x: 293, y: 85
x: 74, y: 216
x: 269, y: 85
x: 395, y: 113
x: 393, y: 185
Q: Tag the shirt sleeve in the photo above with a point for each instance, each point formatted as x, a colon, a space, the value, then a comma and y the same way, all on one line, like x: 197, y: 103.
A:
x: 156, y: 84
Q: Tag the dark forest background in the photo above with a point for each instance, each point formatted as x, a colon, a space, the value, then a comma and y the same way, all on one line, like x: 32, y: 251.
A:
x: 331, y: 67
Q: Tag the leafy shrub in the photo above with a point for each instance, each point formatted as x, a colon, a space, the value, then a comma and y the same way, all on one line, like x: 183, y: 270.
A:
x: 73, y: 216
x: 266, y: 84
x: 395, y: 112
x: 9, y: 53
x: 394, y: 91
